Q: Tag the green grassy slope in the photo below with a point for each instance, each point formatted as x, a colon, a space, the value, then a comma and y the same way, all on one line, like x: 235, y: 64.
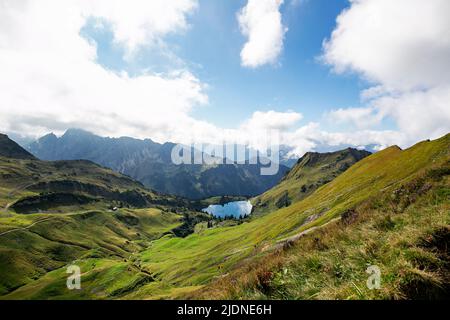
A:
x: 101, y: 242
x: 45, y: 185
x: 22, y: 178
x: 51, y: 229
x: 405, y: 233
x: 180, y: 265
x: 198, y: 258
x: 311, y: 172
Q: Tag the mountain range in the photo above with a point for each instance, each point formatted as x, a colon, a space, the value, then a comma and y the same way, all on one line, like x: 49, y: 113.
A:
x: 388, y: 210
x: 150, y: 163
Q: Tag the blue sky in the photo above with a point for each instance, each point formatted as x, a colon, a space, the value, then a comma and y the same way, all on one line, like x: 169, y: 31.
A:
x: 326, y: 74
x: 210, y: 47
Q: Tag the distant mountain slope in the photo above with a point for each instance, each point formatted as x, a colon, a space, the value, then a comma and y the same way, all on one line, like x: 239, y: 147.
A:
x: 41, y: 185
x: 311, y: 171
x: 150, y: 163
x: 10, y: 149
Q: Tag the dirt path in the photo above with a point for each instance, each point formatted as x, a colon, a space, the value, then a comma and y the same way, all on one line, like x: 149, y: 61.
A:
x: 12, y: 192
x: 27, y: 227
x: 42, y: 220
x: 7, y: 206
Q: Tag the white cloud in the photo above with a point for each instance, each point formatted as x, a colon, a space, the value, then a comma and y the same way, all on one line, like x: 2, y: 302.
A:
x: 312, y: 137
x: 134, y: 23
x: 403, y: 44
x: 272, y: 120
x: 421, y: 114
x: 359, y: 117
x: 403, y: 48
x: 373, y: 92
x: 50, y: 79
x: 260, y: 21
x: 140, y: 22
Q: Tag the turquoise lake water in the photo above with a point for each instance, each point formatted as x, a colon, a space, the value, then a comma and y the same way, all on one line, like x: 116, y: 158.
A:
x: 235, y: 209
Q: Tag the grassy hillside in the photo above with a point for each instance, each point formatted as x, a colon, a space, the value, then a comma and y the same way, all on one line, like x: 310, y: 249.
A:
x: 179, y: 266
x: 29, y: 185
x: 93, y: 238
x: 311, y: 172
x: 405, y: 233
x: 215, y: 251
x: 54, y: 213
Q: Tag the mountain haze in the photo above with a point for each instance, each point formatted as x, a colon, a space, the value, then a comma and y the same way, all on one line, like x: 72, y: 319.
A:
x: 150, y: 163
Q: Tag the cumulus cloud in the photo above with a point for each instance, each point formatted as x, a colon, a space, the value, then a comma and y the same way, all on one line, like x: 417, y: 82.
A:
x: 258, y: 129
x: 272, y: 120
x: 402, y: 47
x: 359, y: 117
x: 139, y: 22
x: 260, y: 21
x: 312, y: 137
x: 50, y: 79
x: 421, y: 114
x: 403, y: 44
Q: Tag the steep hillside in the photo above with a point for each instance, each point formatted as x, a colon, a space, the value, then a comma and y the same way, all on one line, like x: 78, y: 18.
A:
x: 405, y: 234
x: 311, y: 171
x: 30, y: 185
x: 383, y: 181
x: 9, y: 148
